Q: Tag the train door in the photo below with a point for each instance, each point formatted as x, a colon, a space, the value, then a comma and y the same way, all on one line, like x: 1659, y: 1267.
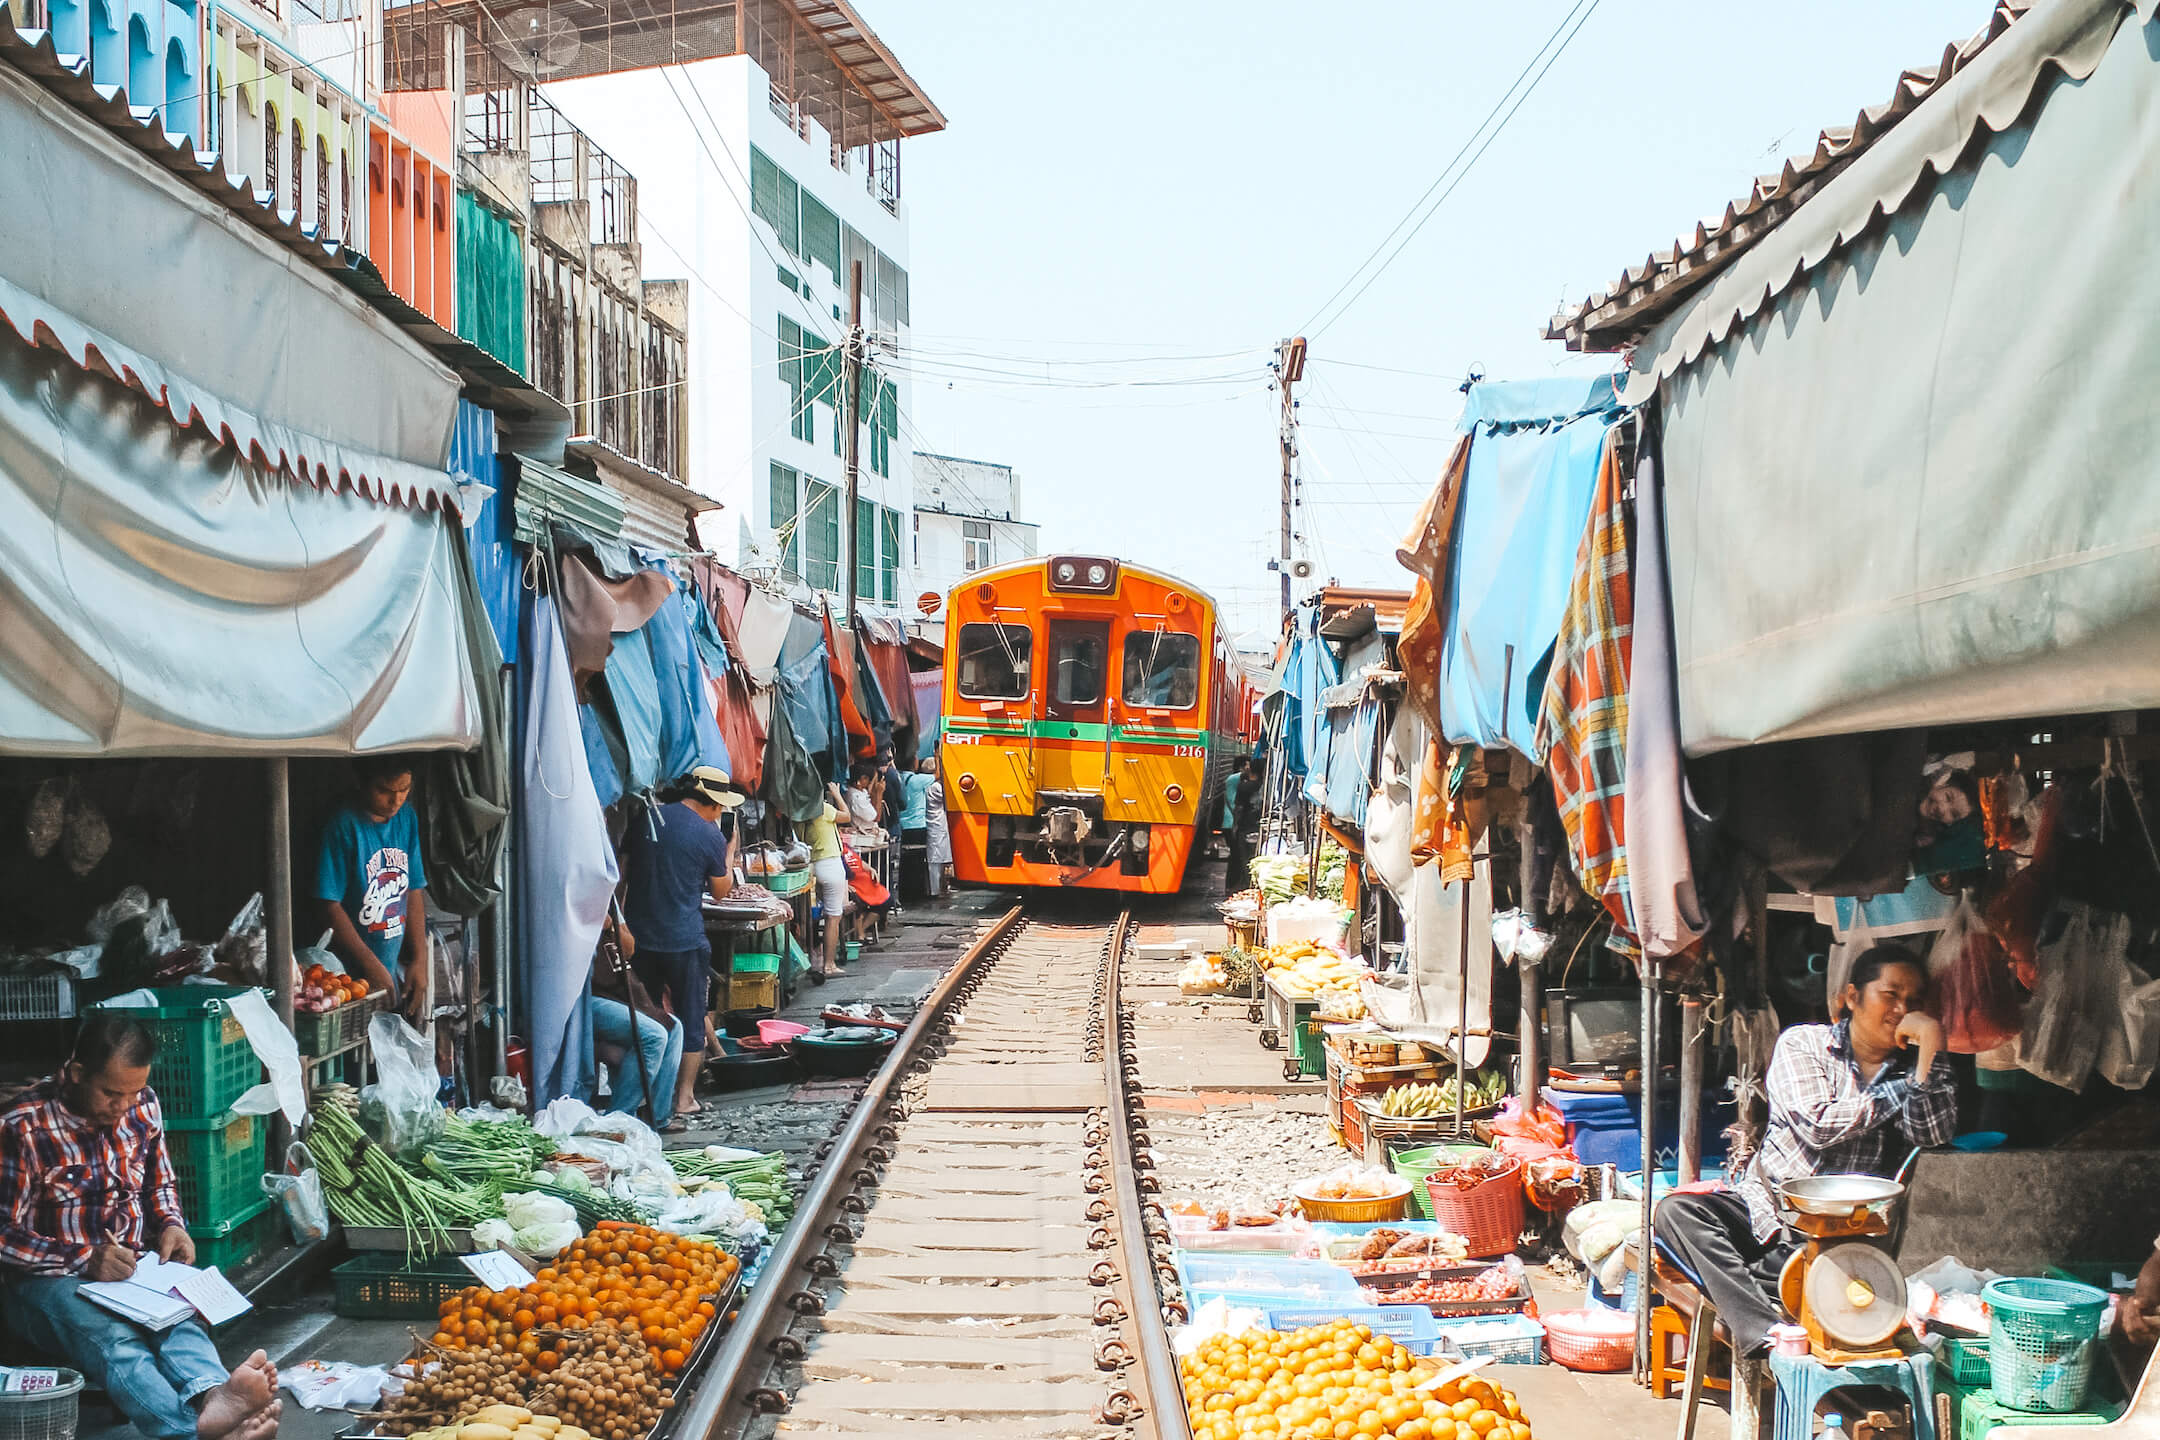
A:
x: 1073, y: 728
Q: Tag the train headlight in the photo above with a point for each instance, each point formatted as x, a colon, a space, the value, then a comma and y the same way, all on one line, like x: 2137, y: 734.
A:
x: 1097, y: 574
x: 1139, y: 839
x: 1067, y: 572
x: 967, y: 784
x: 1173, y: 793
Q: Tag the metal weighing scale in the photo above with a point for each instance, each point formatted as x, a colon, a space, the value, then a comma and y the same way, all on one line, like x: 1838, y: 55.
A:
x: 1843, y: 1285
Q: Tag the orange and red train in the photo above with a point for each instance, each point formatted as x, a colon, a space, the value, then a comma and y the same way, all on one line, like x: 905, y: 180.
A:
x: 1091, y: 712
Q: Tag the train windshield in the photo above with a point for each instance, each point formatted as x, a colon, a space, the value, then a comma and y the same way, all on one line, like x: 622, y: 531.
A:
x: 1079, y: 658
x: 1162, y: 670
x: 995, y: 661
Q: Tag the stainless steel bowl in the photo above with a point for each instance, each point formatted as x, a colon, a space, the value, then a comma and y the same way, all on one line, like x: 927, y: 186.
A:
x: 1837, y: 1194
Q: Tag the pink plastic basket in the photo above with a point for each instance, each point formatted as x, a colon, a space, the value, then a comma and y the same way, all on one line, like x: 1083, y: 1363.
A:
x: 1591, y: 1340
x: 779, y: 1032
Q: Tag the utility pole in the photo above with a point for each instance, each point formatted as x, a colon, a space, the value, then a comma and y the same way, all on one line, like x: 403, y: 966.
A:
x: 1290, y: 369
x: 853, y: 360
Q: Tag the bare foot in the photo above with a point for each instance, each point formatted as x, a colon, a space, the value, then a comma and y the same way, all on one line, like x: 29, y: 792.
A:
x: 262, y: 1425
x: 246, y: 1392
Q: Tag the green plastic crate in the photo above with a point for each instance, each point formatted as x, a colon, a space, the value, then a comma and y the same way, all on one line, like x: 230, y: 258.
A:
x: 755, y: 962
x: 1311, y: 1046
x: 1981, y: 1414
x: 219, y: 1163
x: 231, y: 1243
x: 384, y: 1287
x: 204, y: 1061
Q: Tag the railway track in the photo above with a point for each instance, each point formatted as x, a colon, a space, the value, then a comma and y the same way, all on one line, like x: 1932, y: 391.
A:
x: 974, y: 1257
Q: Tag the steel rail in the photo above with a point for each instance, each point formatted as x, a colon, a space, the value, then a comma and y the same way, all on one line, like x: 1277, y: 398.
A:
x: 759, y: 1334
x: 1121, y: 1072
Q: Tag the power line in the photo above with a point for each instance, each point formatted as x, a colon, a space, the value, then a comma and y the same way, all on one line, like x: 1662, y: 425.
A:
x: 1310, y: 327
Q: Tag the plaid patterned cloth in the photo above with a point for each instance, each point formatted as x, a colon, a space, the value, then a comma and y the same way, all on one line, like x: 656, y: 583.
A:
x: 1582, y: 723
x: 67, y: 1185
x: 1826, y: 1120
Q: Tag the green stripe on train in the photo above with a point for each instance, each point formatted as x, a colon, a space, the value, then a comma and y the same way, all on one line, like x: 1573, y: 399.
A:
x: 1071, y: 730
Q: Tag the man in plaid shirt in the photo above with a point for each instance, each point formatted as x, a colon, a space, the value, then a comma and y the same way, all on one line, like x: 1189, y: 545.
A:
x: 1845, y: 1099
x: 85, y: 1189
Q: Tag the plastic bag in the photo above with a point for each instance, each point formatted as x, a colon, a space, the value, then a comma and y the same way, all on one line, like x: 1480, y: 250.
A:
x: 399, y: 1111
x: 1976, y: 998
x: 242, y: 952
x: 1528, y: 1137
x: 2080, y: 975
x: 300, y: 1192
x: 334, y: 1384
x: 127, y: 905
x: 2131, y: 1046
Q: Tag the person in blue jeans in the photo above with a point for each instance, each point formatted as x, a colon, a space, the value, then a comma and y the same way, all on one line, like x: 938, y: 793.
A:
x: 674, y: 855
x: 87, y: 1191
x: 662, y: 1046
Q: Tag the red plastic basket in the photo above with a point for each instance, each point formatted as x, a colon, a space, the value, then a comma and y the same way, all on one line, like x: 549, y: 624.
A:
x: 1574, y: 1345
x: 1489, y: 1215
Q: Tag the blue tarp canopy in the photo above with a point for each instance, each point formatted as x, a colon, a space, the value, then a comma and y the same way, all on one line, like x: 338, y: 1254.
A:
x: 1308, y: 672
x: 1533, y: 465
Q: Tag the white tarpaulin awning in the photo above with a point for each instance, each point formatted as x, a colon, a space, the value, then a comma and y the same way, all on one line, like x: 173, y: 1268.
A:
x: 160, y: 595
x: 1912, y: 464
x: 224, y: 509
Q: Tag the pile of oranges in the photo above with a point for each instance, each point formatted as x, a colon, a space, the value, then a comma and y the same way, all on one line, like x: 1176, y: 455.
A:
x: 1335, y: 1382
x: 658, y: 1286
x: 335, y: 989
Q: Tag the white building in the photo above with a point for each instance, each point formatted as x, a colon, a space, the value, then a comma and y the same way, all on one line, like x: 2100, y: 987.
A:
x: 743, y: 176
x: 967, y: 518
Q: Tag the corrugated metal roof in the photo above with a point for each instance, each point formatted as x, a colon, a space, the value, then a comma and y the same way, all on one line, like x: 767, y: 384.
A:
x: 1615, y: 317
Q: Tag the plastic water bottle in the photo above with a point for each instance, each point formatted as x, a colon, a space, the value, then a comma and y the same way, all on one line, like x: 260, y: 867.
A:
x: 1833, y: 1428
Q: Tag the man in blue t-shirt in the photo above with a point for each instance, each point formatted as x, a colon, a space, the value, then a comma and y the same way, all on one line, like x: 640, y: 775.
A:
x: 673, y: 857
x: 372, y: 885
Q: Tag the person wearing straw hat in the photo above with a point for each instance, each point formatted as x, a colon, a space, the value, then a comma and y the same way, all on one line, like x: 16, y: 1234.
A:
x: 674, y: 855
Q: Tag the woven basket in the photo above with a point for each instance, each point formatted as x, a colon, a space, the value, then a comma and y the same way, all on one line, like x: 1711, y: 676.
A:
x: 1489, y: 1216
x: 1573, y: 1345
x: 1354, y: 1212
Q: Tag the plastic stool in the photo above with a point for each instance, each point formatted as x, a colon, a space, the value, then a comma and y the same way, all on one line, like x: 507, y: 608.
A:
x: 1802, y: 1383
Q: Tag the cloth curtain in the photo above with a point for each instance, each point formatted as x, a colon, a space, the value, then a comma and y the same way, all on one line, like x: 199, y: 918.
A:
x: 465, y: 795
x: 740, y: 729
x: 566, y: 867
x: 635, y: 691
x: 1424, y: 553
x: 161, y: 596
x: 766, y: 622
x: 1582, y: 723
x: 1669, y: 917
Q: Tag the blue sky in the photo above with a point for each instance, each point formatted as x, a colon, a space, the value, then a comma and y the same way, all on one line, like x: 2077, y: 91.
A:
x: 1135, y: 201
